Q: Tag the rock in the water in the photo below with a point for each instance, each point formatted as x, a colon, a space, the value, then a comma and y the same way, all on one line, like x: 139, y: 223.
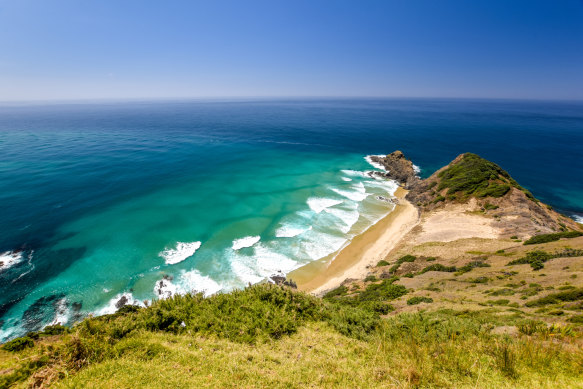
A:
x: 121, y: 302
x: 398, y: 168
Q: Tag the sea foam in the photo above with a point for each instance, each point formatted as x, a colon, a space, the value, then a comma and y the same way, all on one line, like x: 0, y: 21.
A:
x: 290, y: 231
x: 111, y: 305
x: 247, y: 241
x: 578, y: 218
x: 180, y: 253
x: 188, y: 282
x: 376, y: 165
x: 358, y: 192
x: 318, y: 204
x: 265, y: 262
x: 347, y: 217
x: 61, y: 312
x: 9, y: 259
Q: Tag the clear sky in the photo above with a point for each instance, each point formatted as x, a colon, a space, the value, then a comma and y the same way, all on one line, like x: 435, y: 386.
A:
x: 74, y: 49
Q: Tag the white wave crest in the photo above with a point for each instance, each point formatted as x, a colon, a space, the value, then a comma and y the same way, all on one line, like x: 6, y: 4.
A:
x: 346, y: 179
x: 287, y: 231
x: 358, y: 192
x: 247, y: 241
x: 188, y: 282
x: 61, y: 312
x: 321, y: 245
x: 354, y: 173
x: 376, y: 165
x: 194, y: 281
x: 390, y: 186
x: 180, y: 253
x: 114, y: 303
x: 9, y: 259
x: 265, y: 262
x: 417, y: 169
x: 347, y: 217
x: 578, y: 218
x: 318, y: 204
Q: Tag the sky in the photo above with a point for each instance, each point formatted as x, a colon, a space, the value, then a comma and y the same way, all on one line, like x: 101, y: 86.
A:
x: 139, y: 49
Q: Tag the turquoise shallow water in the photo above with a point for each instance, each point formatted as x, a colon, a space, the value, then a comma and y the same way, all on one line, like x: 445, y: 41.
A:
x: 106, y: 200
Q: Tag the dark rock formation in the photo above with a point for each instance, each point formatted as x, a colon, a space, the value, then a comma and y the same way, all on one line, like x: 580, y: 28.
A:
x: 121, y: 302
x: 397, y: 168
x: 280, y: 279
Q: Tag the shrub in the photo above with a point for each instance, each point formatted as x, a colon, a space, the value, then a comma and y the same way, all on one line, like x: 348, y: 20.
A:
x: 18, y: 344
x: 403, y: 259
x: 419, y: 299
x: 340, y: 291
x: 555, y: 298
x: 370, y: 278
x: 438, y: 267
x: 537, y: 258
x: 490, y: 207
x: 59, y: 329
x: 498, y: 302
x: 438, y: 199
x: 476, y: 176
x: 382, y: 262
x: 545, y: 238
x: 470, y: 266
x: 479, y: 280
x: 385, y: 291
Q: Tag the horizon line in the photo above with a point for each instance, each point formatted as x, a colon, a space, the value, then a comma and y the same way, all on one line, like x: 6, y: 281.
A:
x: 276, y: 97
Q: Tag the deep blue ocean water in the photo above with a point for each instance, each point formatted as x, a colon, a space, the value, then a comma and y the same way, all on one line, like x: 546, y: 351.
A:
x: 104, y: 200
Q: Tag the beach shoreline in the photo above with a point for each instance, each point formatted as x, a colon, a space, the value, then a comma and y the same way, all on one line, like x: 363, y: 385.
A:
x: 363, y: 251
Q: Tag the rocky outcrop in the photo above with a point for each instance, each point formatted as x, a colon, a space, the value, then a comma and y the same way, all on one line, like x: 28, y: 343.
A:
x: 397, y: 168
x: 511, y: 208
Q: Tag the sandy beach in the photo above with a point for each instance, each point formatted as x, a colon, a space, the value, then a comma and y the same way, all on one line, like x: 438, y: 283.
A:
x: 363, y: 251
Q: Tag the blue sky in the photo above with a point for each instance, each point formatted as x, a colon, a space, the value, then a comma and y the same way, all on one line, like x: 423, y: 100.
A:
x: 71, y: 49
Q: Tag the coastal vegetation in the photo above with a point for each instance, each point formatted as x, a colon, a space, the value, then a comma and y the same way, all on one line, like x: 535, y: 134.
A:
x: 475, y: 176
x: 271, y: 335
x: 545, y: 238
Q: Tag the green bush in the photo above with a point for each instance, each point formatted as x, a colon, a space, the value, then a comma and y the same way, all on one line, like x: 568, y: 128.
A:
x: 403, y: 259
x: 18, y: 344
x: 545, y: 238
x: 537, y: 258
x: 382, y: 263
x: 340, y: 291
x: 476, y: 176
x: 385, y: 291
x: 370, y: 278
x: 470, y: 266
x: 556, y: 298
x: 438, y: 267
x: 419, y: 299
x: 490, y: 207
x: 479, y: 280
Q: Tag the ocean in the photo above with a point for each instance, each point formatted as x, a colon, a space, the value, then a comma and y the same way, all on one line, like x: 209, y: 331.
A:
x: 137, y: 200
